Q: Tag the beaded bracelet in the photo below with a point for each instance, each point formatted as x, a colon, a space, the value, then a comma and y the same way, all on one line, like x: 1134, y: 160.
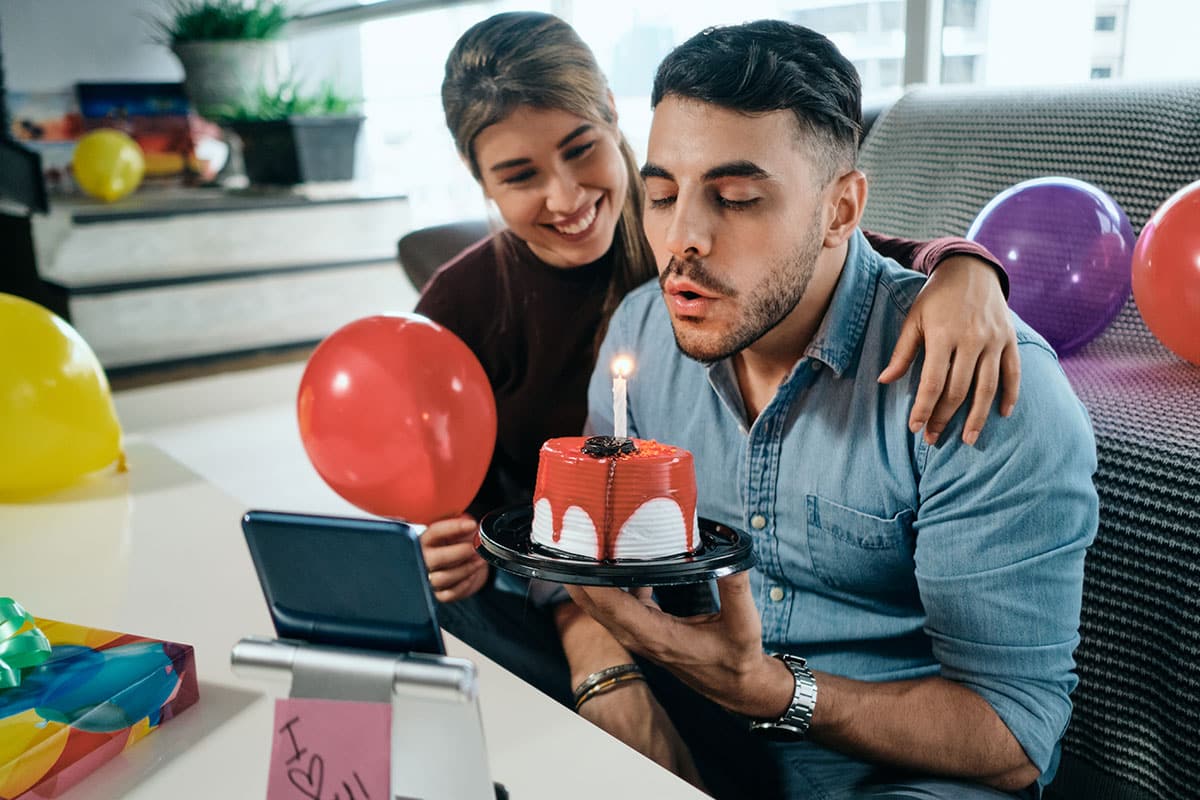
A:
x: 605, y: 680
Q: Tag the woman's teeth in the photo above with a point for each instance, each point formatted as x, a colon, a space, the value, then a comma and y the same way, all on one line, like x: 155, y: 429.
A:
x: 578, y: 227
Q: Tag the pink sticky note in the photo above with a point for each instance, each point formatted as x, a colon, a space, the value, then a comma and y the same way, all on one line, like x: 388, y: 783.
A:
x: 330, y: 750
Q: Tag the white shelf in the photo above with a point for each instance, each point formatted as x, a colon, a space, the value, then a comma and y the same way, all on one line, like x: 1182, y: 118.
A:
x: 194, y: 273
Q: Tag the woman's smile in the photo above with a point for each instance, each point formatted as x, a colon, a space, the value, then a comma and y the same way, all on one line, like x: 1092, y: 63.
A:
x: 580, y: 224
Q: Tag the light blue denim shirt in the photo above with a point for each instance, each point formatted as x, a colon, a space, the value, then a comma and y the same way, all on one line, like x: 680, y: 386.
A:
x: 879, y: 557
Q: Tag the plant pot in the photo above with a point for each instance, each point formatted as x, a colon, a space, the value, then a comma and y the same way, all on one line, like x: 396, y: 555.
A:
x: 222, y: 74
x: 326, y: 146
x: 299, y: 149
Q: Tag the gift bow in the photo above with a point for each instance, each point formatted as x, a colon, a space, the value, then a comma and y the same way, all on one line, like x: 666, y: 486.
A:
x: 19, y: 650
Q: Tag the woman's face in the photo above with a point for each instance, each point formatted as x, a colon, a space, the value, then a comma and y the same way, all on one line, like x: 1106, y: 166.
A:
x: 558, y: 180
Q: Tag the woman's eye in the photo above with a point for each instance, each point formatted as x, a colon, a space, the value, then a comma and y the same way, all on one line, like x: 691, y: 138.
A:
x: 661, y: 202
x: 520, y: 177
x: 576, y: 152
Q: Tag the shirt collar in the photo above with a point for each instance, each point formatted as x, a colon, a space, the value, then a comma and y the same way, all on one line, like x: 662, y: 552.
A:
x: 838, y: 340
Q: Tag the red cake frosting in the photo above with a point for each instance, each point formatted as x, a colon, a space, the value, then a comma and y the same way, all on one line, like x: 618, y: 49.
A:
x: 610, y: 489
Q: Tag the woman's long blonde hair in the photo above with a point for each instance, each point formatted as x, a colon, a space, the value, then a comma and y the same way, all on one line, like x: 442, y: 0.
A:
x: 527, y: 58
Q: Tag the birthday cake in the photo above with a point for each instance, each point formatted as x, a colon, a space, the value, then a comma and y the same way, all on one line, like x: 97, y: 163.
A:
x: 609, y: 498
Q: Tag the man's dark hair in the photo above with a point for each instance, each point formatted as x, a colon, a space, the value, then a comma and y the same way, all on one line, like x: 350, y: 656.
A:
x: 771, y: 65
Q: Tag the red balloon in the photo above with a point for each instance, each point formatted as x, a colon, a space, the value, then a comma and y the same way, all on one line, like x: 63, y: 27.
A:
x: 1166, y: 273
x: 398, y: 417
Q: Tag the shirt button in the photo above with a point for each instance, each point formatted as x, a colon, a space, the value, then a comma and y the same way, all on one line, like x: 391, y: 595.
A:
x: 776, y: 594
x: 758, y: 522
x: 815, y: 365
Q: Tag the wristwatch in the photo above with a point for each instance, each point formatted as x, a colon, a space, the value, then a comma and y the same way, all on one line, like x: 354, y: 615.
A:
x: 793, y: 724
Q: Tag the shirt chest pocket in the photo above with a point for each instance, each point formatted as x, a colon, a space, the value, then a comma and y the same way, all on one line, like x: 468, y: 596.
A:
x: 859, y: 552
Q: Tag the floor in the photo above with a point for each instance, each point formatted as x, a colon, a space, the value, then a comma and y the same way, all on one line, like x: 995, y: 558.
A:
x: 198, y: 368
x: 237, y: 429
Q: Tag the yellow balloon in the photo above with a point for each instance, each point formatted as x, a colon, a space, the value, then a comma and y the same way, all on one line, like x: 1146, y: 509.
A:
x: 108, y: 164
x: 57, y: 419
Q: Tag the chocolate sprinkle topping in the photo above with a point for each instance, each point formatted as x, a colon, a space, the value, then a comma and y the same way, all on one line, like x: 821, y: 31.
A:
x: 604, y: 446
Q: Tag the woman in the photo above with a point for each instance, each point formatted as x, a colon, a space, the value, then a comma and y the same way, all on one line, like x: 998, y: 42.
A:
x: 533, y: 120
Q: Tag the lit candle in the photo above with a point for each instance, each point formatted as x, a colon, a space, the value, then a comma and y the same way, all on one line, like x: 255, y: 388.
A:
x: 621, y: 367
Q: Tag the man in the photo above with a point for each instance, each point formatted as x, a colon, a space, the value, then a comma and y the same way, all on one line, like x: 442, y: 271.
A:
x: 933, y: 590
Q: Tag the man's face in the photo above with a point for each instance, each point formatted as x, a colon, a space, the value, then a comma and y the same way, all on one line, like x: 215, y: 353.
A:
x: 735, y: 215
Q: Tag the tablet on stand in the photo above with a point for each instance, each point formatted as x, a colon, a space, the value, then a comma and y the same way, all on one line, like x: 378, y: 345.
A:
x: 351, y: 602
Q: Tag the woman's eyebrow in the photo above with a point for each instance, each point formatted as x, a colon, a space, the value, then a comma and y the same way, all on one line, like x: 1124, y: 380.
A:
x: 582, y: 129
x: 512, y: 162
x: 517, y: 162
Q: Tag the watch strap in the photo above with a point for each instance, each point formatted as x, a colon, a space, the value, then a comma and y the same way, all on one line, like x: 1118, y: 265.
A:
x: 795, y: 721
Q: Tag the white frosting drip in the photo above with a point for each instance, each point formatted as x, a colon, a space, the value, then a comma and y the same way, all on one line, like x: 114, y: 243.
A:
x: 656, y: 530
x: 578, y: 533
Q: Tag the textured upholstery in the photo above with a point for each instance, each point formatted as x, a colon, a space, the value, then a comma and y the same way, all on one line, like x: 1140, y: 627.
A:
x: 933, y: 160
x: 422, y: 251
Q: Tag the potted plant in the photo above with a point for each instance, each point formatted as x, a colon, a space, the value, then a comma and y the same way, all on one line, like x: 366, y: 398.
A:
x: 227, y: 47
x: 290, y: 136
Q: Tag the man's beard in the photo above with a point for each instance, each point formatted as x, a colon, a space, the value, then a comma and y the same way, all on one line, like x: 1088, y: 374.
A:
x: 764, y: 307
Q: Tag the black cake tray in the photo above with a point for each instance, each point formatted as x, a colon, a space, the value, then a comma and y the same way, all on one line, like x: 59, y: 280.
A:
x: 504, y: 541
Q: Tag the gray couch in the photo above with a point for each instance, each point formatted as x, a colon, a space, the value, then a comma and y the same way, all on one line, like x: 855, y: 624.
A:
x: 934, y: 159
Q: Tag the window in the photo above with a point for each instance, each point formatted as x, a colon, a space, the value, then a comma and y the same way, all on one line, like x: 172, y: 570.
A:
x: 959, y: 13
x: 891, y: 16
x: 1014, y: 42
x: 958, y: 69
x: 833, y: 18
x: 405, y: 144
x: 1032, y: 42
x: 630, y: 38
x: 890, y: 72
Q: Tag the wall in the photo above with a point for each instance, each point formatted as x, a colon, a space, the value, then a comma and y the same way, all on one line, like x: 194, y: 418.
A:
x: 50, y: 44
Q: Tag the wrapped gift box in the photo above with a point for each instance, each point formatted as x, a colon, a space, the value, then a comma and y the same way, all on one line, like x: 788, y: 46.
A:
x: 98, y: 693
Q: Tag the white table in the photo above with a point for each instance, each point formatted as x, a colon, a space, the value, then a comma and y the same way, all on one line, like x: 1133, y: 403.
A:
x: 159, y: 552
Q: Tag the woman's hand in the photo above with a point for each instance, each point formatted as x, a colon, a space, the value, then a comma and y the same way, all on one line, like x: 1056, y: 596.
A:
x: 963, y: 321
x: 456, y: 571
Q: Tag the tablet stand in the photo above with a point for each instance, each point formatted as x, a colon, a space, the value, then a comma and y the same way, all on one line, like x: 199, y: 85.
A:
x: 437, y: 747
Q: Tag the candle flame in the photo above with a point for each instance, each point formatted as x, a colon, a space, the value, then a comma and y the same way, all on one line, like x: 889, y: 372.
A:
x: 622, y: 367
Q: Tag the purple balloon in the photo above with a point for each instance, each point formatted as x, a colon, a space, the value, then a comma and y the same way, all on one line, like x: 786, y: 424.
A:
x: 1068, y: 248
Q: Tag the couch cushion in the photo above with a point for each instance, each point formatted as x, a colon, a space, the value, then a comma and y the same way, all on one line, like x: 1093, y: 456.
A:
x: 422, y: 251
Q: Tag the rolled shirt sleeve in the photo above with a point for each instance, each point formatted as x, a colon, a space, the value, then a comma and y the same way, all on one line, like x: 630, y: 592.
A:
x: 1001, y: 531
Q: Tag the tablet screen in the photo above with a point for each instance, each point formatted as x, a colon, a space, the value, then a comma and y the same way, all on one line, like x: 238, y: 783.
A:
x: 343, y: 581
